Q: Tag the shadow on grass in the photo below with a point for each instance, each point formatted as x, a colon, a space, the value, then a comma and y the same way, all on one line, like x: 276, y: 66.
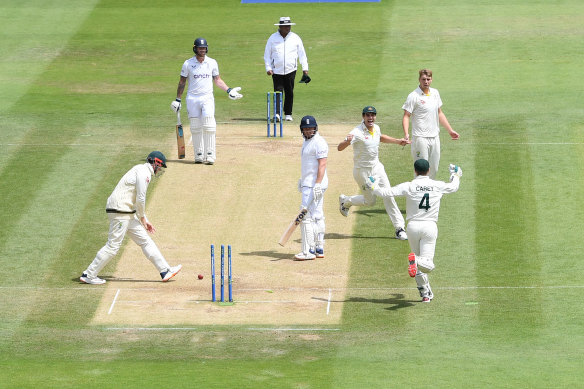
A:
x: 395, y: 301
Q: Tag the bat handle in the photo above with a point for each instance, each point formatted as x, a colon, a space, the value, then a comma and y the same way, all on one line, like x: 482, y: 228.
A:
x: 178, y: 118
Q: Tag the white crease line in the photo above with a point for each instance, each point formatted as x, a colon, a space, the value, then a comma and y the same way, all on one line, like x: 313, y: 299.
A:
x: 328, y: 305
x: 113, y: 302
x: 294, y: 329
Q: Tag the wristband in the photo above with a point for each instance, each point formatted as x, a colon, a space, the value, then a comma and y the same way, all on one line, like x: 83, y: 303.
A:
x: 228, y: 90
x: 177, y: 99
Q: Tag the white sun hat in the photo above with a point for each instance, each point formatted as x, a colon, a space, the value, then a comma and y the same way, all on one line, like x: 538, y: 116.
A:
x: 285, y: 21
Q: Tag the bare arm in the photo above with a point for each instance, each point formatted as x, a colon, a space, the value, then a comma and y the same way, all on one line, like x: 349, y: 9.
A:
x: 220, y: 83
x: 406, y: 124
x: 181, y: 87
x: 388, y: 139
x: 321, y: 170
x: 444, y: 122
x: 345, y: 143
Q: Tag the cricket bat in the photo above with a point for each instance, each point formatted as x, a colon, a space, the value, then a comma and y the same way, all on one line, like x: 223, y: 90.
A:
x: 180, y: 138
x: 288, y: 233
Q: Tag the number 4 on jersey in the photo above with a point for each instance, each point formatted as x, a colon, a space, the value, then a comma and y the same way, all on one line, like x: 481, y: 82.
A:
x: 425, y: 202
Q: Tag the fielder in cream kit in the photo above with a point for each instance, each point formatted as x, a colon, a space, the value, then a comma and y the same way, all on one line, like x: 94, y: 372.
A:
x: 424, y: 108
x: 423, y: 196
x: 312, y: 184
x: 201, y: 72
x: 365, y: 139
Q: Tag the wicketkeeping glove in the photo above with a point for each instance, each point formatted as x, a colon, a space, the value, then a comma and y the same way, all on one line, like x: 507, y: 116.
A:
x: 305, y: 79
x: 317, y: 192
x: 175, y: 105
x: 234, y: 93
x: 454, y: 169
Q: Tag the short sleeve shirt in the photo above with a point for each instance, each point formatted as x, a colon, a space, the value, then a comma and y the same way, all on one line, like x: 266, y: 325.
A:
x: 313, y: 149
x: 365, y: 146
x: 200, y: 75
x: 424, y: 111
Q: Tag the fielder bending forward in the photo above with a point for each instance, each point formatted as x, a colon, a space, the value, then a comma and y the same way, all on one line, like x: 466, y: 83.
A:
x: 312, y: 184
x: 423, y: 196
x: 365, y: 139
x: 202, y: 72
x: 126, y: 210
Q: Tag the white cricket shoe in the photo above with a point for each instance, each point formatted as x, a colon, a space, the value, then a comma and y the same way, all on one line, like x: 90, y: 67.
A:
x: 304, y: 256
x: 276, y: 118
x: 342, y: 208
x: 91, y: 280
x: 401, y: 234
x: 288, y: 118
x: 171, y: 272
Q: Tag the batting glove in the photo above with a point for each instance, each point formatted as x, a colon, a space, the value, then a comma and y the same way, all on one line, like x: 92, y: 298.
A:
x: 234, y: 93
x: 305, y: 79
x: 175, y: 105
x: 317, y: 192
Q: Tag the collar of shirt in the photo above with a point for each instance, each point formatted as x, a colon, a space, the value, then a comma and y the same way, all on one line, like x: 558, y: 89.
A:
x: 421, y: 92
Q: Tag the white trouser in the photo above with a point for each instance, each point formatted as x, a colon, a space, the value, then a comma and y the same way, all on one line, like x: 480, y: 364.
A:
x: 315, y: 215
x: 119, y: 225
x: 422, y: 237
x: 201, y: 110
x: 367, y: 198
x: 428, y: 149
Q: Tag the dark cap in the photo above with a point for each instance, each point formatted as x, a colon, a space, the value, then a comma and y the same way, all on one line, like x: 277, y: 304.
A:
x: 369, y: 109
x: 421, y: 165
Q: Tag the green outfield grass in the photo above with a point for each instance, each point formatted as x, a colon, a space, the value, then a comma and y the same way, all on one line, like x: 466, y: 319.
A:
x: 86, y: 88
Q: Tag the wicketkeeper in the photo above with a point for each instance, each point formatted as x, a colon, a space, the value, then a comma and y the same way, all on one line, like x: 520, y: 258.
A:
x: 423, y: 196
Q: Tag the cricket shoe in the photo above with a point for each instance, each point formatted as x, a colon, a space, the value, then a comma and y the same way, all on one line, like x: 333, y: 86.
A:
x: 342, y: 209
x: 276, y: 118
x: 426, y: 299
x: 320, y: 252
x: 171, y: 272
x: 288, y: 118
x: 304, y: 256
x: 412, y: 267
x: 401, y: 234
x: 91, y: 280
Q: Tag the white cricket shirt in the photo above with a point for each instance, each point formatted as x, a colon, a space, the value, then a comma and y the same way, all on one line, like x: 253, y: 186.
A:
x: 424, y: 110
x: 423, y: 196
x: 281, y: 54
x: 200, y: 75
x: 313, y: 149
x: 365, y: 146
x: 130, y: 192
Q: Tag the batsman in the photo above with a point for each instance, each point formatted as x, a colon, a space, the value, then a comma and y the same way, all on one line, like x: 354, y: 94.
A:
x: 201, y: 72
x: 312, y: 184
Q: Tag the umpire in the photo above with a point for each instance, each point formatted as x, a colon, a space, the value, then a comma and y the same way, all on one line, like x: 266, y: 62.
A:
x: 283, y: 51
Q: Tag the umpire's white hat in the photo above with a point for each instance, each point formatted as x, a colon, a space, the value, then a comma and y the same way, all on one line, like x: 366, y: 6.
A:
x: 285, y: 21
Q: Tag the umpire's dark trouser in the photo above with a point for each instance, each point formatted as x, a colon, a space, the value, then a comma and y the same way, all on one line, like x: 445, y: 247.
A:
x: 285, y: 83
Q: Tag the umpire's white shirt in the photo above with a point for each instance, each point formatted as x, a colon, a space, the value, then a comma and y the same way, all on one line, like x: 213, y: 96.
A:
x: 313, y: 149
x: 200, y: 75
x: 424, y: 112
x: 130, y: 193
x: 365, y: 146
x: 282, y: 54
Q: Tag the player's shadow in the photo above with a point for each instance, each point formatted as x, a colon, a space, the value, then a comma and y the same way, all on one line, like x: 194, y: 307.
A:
x: 373, y: 212
x: 115, y: 279
x: 249, y: 119
x: 394, y: 302
x: 276, y: 256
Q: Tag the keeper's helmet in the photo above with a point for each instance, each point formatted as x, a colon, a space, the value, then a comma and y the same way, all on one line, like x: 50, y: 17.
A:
x: 308, y: 122
x: 200, y: 42
x: 157, y: 160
